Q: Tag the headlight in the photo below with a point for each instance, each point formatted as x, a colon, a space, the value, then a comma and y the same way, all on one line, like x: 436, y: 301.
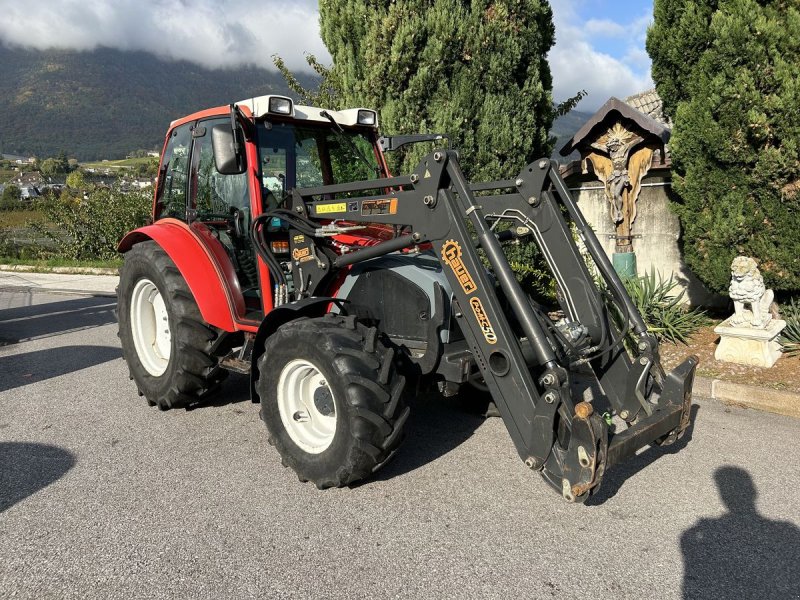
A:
x: 367, y: 117
x: 280, y: 105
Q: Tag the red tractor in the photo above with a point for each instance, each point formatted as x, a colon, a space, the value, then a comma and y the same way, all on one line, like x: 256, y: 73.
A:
x: 282, y: 247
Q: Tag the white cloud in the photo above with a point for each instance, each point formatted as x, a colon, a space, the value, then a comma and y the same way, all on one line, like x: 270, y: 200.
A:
x: 214, y: 33
x: 576, y: 63
x: 604, y: 27
x: 224, y: 33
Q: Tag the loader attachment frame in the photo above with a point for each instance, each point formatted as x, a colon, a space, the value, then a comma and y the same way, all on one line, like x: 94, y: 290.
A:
x: 567, y: 441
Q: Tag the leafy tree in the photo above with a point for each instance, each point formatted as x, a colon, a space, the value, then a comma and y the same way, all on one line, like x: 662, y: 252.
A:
x: 48, y: 167
x: 10, y: 199
x: 76, y: 180
x: 729, y: 74
x: 475, y: 70
x: 63, y: 162
x: 55, y: 165
x: 147, y: 168
x: 326, y: 94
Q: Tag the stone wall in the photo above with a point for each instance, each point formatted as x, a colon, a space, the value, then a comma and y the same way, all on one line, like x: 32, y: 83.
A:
x: 658, y: 247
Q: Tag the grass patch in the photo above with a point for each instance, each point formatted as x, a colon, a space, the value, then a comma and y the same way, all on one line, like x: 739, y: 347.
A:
x: 20, y: 218
x: 124, y: 163
x: 7, y: 175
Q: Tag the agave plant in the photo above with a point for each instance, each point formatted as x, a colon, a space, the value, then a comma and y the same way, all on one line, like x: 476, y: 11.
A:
x: 664, y: 312
x: 790, y: 336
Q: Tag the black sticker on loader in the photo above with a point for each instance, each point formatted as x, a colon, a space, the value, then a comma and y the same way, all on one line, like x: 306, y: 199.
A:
x: 384, y: 206
x: 483, y: 320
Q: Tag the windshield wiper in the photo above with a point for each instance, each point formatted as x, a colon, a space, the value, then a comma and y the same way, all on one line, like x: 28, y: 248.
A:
x: 339, y: 131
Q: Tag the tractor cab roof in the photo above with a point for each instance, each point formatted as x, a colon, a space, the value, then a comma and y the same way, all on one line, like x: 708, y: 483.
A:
x: 263, y: 106
x: 282, y: 106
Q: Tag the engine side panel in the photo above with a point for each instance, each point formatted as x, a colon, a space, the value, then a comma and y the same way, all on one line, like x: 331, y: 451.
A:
x: 405, y: 296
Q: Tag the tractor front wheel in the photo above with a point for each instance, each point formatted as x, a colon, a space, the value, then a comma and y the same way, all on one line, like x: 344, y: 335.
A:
x: 166, y: 343
x: 331, y: 399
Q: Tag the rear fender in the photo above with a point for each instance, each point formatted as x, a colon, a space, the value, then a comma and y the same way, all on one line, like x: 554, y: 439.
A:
x: 205, y: 266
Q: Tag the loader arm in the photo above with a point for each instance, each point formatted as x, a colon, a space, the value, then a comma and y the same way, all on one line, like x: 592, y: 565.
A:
x: 566, y: 440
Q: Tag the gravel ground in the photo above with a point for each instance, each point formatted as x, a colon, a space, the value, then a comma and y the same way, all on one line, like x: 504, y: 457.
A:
x: 104, y: 497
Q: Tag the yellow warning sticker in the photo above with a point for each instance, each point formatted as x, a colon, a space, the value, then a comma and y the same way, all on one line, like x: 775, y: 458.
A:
x: 323, y: 209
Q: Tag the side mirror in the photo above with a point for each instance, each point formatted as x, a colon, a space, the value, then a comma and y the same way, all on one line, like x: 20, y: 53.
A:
x: 229, y: 156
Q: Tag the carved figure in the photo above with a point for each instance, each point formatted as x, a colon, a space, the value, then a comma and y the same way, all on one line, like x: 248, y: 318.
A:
x: 747, y: 287
x: 620, y: 159
x: 616, y: 145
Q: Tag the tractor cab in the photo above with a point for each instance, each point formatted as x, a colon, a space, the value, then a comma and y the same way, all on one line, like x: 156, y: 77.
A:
x: 221, y: 168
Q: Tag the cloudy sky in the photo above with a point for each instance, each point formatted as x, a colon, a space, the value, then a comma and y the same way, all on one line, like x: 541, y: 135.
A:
x: 600, y: 43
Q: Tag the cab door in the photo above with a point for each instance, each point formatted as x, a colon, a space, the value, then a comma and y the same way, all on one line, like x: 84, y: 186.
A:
x: 220, y: 212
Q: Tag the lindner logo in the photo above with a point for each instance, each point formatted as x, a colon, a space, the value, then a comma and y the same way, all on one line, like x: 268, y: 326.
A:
x: 483, y: 320
x: 451, y: 255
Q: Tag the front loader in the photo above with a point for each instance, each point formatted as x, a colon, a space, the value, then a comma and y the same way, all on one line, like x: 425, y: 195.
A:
x: 343, y: 292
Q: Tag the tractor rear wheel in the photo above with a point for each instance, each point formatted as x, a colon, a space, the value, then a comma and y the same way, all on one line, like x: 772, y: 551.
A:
x: 331, y: 399
x: 166, y: 343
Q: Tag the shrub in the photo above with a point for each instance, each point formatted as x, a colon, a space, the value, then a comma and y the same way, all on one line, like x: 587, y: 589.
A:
x: 90, y: 227
x: 665, y: 314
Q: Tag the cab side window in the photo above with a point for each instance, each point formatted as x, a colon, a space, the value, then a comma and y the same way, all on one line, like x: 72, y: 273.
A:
x: 214, y: 194
x: 174, y: 175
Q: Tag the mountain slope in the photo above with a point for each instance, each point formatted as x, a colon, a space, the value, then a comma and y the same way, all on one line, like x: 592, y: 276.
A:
x: 105, y: 103
x: 564, y: 127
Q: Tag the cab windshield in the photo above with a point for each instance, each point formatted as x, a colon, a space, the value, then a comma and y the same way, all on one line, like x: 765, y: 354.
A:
x: 292, y: 156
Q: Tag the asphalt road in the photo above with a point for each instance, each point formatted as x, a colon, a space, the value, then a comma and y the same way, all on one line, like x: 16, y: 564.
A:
x: 104, y: 497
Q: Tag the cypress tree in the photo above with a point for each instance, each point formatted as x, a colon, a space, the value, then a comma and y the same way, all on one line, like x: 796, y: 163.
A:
x: 676, y: 40
x: 475, y: 70
x: 729, y: 74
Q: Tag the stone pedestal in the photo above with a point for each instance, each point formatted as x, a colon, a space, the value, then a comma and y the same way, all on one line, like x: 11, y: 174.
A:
x: 747, y: 345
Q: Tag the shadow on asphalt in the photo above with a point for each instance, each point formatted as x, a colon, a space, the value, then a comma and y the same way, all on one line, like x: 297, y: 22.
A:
x: 26, y: 468
x: 54, y: 318
x: 617, y: 475
x: 17, y: 370
x: 436, y: 426
x: 741, y: 554
x: 235, y: 389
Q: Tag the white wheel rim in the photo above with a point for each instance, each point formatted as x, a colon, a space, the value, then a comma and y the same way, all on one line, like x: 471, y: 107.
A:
x: 307, y: 406
x: 150, y: 327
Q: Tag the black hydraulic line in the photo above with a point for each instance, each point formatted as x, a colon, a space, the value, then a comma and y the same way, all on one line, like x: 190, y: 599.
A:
x: 263, y: 250
x: 375, y: 251
x: 502, y: 270
x: 302, y: 224
x: 599, y: 255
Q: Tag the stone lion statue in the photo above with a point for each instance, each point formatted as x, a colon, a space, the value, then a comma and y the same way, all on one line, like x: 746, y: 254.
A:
x: 747, y: 287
